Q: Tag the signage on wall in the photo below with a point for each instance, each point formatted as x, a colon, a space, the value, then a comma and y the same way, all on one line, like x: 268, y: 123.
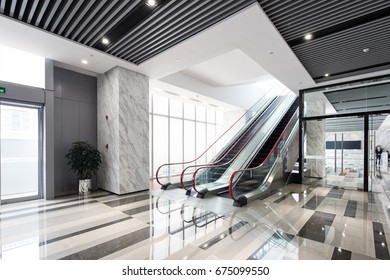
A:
x: 2, y: 90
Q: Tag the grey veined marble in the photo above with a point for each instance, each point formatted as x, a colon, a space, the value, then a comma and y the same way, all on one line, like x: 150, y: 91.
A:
x: 123, y: 130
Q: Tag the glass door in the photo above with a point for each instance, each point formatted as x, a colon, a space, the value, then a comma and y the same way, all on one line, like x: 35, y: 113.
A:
x: 21, y: 152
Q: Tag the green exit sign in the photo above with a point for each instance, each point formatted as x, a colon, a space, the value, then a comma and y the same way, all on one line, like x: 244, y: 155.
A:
x: 2, y: 89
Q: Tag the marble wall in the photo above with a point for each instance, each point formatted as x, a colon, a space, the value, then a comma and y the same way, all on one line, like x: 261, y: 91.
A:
x: 123, y: 130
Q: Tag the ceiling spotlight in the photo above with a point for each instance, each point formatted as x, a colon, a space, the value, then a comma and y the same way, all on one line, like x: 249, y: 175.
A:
x: 151, y: 3
x: 84, y: 61
x: 105, y: 41
x: 366, y: 50
x: 326, y: 74
x: 308, y: 36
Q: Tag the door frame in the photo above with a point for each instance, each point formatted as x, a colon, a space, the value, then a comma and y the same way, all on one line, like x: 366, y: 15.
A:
x: 39, y: 107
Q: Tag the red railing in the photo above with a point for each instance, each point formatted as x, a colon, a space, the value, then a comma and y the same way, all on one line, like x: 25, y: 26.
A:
x: 187, y: 162
x: 193, y: 184
x: 261, y: 164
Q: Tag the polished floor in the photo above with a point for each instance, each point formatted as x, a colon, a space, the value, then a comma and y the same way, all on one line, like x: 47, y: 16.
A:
x: 301, y: 222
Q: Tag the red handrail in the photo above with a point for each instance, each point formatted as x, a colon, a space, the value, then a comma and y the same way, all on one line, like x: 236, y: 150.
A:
x: 264, y: 161
x: 246, y: 143
x: 169, y: 164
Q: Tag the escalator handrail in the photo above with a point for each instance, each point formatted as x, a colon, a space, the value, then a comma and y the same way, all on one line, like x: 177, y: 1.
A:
x: 193, y: 183
x: 264, y: 161
x: 169, y: 164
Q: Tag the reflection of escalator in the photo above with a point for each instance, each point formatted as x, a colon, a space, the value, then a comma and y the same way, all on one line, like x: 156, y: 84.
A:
x: 252, y: 179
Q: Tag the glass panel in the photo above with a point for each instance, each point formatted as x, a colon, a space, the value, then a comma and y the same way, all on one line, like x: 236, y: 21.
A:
x: 176, y: 145
x: 200, y: 113
x: 210, y: 140
x: 160, y: 143
x: 334, y: 151
x: 189, y: 140
x: 200, y: 141
x: 210, y: 115
x: 189, y: 111
x: 175, y: 108
x: 19, y: 152
x: 160, y: 105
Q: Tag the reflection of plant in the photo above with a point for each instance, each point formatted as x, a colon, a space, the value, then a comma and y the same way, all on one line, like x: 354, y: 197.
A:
x: 84, y: 159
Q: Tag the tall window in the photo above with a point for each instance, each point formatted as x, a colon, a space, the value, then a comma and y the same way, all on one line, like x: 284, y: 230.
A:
x: 181, y: 130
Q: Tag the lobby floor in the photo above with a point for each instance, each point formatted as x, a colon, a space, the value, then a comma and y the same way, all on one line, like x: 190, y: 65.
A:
x: 301, y: 222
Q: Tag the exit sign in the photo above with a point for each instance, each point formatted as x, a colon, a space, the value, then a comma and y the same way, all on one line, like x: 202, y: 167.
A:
x: 2, y: 89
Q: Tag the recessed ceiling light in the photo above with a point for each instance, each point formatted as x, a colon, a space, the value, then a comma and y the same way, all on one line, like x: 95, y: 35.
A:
x: 308, y: 36
x: 366, y: 50
x: 105, y: 41
x: 151, y: 3
x: 84, y: 61
x: 326, y: 74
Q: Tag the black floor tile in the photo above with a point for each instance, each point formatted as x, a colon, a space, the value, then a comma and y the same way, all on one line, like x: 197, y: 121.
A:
x: 350, y: 210
x: 317, y: 227
x: 313, y: 202
x: 341, y: 254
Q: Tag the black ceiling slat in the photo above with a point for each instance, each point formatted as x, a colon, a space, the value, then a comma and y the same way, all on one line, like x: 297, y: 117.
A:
x: 15, y: 8
x: 42, y: 8
x: 2, y: 6
x: 31, y: 11
x: 69, y: 16
x: 276, y: 7
x: 60, y: 15
x: 12, y: 8
x: 96, y: 6
x: 155, y: 31
x: 96, y: 21
x: 22, y: 9
x: 50, y: 12
x: 7, y: 7
x: 217, y: 16
x: 78, y: 17
x: 110, y: 23
x: 161, y: 16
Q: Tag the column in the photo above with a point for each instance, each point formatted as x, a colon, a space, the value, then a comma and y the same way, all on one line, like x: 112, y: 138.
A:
x: 123, y: 131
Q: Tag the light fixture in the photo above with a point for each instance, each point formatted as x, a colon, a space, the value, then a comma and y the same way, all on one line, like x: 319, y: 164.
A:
x: 308, y: 36
x: 151, y: 3
x: 366, y: 50
x: 84, y: 61
x: 326, y: 75
x: 105, y: 41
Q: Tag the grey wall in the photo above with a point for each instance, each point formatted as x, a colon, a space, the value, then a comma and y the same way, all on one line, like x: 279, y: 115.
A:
x: 75, y: 119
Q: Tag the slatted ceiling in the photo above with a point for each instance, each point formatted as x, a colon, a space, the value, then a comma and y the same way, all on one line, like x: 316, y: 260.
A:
x: 160, y: 19
x: 352, y: 124
x: 137, y: 32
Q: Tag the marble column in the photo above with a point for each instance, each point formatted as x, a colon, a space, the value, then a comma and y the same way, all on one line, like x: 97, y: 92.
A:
x: 315, y: 137
x: 123, y: 130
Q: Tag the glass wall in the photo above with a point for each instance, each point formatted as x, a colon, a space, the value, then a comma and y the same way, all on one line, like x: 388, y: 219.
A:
x: 181, y: 130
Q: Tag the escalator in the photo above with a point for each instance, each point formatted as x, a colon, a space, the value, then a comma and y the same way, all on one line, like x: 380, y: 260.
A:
x: 212, y: 172
x: 216, y: 179
x: 273, y: 164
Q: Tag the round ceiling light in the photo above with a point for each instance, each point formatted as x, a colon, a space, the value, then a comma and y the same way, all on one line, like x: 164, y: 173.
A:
x: 326, y: 75
x: 366, y: 50
x: 151, y: 3
x: 105, y: 41
x: 308, y: 36
x: 84, y: 61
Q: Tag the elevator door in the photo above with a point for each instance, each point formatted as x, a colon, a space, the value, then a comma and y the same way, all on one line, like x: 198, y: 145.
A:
x: 21, y: 152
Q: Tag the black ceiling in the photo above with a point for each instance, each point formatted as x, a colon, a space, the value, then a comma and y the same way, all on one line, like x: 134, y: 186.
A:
x: 341, y: 29
x: 136, y: 31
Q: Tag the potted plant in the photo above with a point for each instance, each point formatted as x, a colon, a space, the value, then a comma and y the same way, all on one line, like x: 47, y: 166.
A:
x: 84, y: 159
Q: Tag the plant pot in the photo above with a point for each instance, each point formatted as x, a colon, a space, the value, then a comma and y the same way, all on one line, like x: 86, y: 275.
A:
x: 84, y: 186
